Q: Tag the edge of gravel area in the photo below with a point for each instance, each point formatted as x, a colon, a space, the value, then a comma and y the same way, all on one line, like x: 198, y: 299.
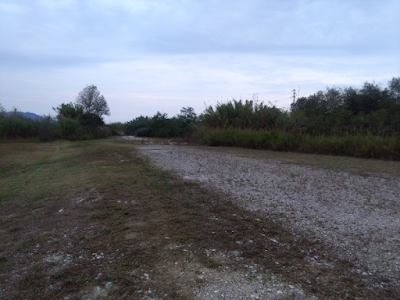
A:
x: 359, y: 166
x: 355, y: 216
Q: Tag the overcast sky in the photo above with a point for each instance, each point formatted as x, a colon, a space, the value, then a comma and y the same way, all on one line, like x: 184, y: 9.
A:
x: 162, y: 55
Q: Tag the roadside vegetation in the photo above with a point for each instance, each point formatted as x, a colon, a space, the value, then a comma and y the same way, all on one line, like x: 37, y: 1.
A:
x: 360, y: 122
x: 363, y: 146
x: 355, y: 122
x: 82, y: 120
x: 183, y: 125
x: 15, y: 126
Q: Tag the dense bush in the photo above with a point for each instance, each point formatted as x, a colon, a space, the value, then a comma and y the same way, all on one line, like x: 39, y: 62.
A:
x: 73, y: 123
x: 354, y: 122
x: 15, y: 125
x: 361, y: 122
x: 369, y: 110
x: 366, y: 146
x: 116, y: 128
x: 248, y: 114
x: 161, y: 126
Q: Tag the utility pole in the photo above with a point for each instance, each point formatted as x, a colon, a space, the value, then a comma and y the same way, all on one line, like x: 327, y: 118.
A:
x: 294, y: 95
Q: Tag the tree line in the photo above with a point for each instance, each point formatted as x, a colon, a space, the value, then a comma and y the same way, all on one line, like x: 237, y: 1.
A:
x: 74, y: 121
x: 182, y: 125
x: 335, y: 111
x: 340, y: 111
x: 14, y: 125
x: 363, y: 122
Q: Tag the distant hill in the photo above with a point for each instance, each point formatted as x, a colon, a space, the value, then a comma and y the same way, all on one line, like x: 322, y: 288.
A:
x: 27, y: 115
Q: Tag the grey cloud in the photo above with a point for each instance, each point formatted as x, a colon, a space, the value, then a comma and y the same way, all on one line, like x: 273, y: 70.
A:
x: 286, y: 27
x: 208, y: 49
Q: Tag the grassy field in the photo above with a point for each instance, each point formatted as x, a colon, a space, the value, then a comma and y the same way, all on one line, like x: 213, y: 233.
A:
x: 93, y: 220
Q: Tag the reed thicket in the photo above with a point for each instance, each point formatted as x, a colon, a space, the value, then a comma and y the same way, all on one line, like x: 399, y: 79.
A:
x: 365, y: 146
x: 14, y: 125
x: 339, y: 121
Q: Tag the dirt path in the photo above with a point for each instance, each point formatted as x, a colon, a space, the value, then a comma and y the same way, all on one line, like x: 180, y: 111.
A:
x: 355, y: 217
x: 95, y: 220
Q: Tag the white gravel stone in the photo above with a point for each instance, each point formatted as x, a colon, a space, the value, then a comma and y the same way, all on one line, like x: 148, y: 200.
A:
x: 355, y: 216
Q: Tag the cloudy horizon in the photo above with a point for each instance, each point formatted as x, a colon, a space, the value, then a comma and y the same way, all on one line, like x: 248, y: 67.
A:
x: 149, y: 56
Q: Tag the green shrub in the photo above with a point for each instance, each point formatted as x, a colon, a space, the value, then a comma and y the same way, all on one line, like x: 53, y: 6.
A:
x: 365, y: 146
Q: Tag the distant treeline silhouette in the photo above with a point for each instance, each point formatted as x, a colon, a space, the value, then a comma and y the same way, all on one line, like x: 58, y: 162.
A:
x: 361, y: 122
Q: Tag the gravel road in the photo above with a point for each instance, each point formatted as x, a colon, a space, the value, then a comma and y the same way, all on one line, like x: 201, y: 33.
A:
x: 356, y: 217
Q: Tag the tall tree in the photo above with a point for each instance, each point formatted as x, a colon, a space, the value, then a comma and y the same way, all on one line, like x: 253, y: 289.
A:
x: 394, y: 86
x: 92, y: 102
x: 188, y: 113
